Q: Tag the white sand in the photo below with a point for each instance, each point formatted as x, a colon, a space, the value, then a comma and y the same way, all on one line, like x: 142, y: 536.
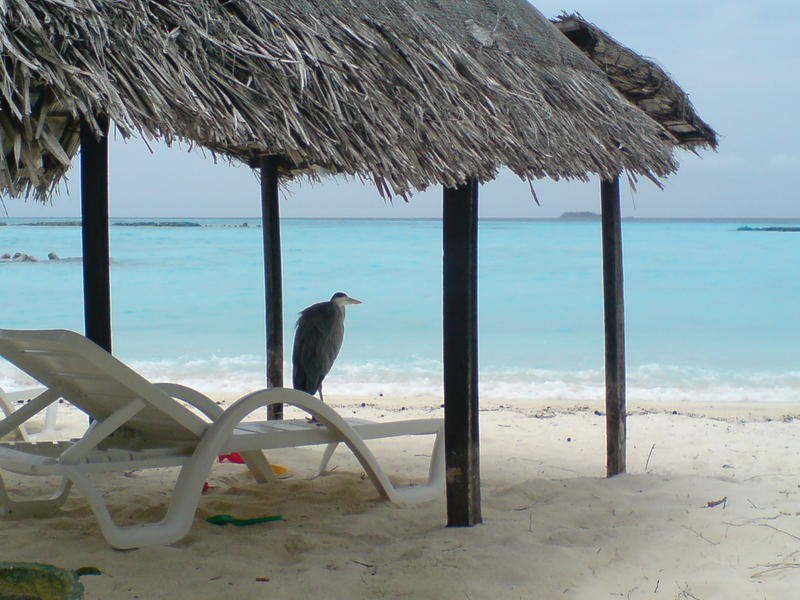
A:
x: 554, y: 527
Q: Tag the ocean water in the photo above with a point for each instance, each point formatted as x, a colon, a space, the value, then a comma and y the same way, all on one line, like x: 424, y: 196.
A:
x: 711, y: 312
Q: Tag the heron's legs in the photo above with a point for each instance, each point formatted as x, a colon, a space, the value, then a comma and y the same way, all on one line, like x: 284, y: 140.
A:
x: 312, y: 418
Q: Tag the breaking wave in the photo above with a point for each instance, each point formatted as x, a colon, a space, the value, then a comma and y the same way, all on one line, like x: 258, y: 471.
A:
x: 652, y: 382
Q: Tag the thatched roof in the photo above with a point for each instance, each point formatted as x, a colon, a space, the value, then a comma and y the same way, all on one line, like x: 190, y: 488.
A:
x: 407, y: 93
x: 641, y: 81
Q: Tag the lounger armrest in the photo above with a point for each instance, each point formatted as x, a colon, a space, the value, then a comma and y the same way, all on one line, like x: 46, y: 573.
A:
x: 192, y: 397
x: 342, y: 432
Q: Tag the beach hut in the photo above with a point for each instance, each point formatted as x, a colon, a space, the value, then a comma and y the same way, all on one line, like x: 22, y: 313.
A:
x: 405, y: 94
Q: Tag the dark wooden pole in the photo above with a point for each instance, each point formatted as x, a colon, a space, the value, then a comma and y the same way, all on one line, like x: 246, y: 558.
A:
x: 94, y: 219
x: 460, y: 352
x: 273, y: 287
x: 614, y: 327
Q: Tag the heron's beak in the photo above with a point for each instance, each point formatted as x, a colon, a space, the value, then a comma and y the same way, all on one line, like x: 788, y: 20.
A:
x: 350, y: 300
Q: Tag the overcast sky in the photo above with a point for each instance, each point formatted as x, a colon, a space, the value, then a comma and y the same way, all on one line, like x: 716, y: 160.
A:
x: 738, y: 60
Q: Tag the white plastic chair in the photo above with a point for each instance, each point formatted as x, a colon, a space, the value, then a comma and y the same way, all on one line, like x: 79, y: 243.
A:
x: 141, y: 425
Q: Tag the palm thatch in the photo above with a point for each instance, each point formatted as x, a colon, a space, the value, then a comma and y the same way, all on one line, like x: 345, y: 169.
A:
x: 641, y: 81
x: 406, y: 93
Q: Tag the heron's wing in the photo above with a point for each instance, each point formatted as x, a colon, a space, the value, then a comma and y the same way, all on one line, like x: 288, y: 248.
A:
x: 317, y: 341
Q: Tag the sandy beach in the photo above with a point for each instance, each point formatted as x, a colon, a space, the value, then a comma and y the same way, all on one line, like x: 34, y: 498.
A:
x: 707, y: 510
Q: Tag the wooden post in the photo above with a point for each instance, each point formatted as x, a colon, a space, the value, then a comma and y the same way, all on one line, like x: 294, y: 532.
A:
x: 460, y: 352
x: 614, y: 327
x: 271, y: 230
x: 94, y: 219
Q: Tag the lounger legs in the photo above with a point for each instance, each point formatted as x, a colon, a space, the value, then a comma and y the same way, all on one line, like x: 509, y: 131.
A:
x: 259, y: 466
x: 326, y: 456
x: 33, y: 508
x: 174, y: 526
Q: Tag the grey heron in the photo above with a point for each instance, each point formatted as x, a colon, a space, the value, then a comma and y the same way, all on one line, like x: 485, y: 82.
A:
x: 317, y: 341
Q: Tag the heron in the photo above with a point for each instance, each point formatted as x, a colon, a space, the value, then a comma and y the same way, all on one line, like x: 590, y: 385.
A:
x: 317, y: 341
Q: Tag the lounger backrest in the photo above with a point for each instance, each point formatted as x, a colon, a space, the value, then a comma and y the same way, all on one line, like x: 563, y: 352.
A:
x: 96, y: 382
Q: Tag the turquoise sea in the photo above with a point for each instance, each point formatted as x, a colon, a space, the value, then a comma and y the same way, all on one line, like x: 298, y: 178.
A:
x: 712, y: 313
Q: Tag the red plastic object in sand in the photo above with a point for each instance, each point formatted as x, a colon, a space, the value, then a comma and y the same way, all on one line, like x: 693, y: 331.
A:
x: 233, y: 457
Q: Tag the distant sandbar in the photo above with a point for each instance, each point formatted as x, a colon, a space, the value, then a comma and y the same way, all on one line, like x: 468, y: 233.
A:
x: 746, y: 228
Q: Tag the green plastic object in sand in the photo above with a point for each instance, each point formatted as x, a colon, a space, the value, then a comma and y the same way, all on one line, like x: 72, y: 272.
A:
x: 229, y: 520
x: 37, y: 581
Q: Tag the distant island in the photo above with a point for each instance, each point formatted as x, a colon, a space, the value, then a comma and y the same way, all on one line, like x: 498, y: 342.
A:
x: 746, y: 228
x: 53, y: 224
x: 580, y: 216
x: 134, y: 224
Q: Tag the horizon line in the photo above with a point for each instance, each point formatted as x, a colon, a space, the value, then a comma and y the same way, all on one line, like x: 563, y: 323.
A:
x: 568, y: 219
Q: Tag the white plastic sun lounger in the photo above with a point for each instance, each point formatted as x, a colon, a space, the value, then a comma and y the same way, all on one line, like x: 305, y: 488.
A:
x: 141, y: 425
